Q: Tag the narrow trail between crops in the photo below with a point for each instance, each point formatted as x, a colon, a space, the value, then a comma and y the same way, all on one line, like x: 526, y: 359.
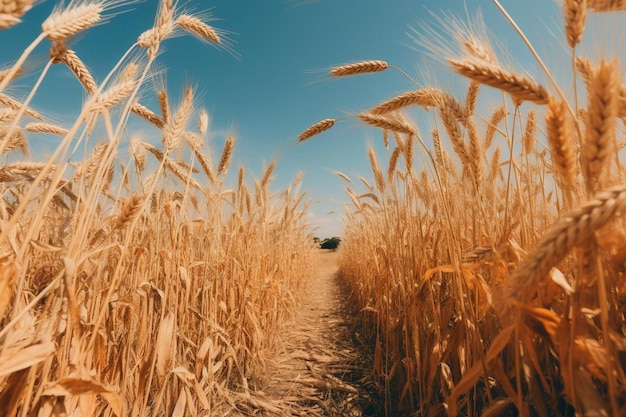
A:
x: 320, y: 368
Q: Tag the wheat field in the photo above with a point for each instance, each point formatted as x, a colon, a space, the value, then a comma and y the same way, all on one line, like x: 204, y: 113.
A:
x: 486, y: 256
x: 134, y: 282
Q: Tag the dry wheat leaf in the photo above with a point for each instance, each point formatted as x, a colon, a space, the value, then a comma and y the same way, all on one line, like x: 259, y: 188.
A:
x: 44, y: 247
x: 85, y: 386
x: 164, y: 344
x: 477, y: 370
x: 497, y: 408
x: 557, y: 276
x: 181, y: 405
x: 25, y: 358
x: 201, y: 395
x: 8, y: 274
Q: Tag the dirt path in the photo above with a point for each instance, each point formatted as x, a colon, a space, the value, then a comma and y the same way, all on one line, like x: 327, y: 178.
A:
x: 319, y: 370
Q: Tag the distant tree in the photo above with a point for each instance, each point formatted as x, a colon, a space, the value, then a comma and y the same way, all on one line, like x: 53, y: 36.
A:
x: 332, y: 243
x: 316, y: 240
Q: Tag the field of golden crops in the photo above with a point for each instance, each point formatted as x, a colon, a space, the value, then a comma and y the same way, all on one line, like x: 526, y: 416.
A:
x: 486, y: 257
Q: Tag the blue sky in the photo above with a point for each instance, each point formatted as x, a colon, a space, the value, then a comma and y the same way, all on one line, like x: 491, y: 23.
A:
x: 277, y: 86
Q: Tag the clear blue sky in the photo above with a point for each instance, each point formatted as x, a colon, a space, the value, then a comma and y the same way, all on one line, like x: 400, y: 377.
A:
x: 277, y: 88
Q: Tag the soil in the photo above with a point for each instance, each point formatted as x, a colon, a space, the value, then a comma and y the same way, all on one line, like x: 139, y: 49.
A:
x: 321, y: 368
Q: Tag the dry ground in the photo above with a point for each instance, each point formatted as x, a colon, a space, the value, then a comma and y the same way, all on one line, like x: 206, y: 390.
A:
x: 319, y: 369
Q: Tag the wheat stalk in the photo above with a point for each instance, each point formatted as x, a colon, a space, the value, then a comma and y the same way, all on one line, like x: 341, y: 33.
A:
x: 5, y: 73
x: 316, y: 129
x: 362, y: 67
x: 520, y: 87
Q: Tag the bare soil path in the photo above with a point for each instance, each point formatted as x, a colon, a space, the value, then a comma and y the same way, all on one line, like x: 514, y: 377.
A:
x: 320, y: 369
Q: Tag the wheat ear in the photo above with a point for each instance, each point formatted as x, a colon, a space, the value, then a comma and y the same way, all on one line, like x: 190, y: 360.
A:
x: 395, y: 124
x: 378, y: 174
x: 560, y: 139
x: 479, y: 50
x: 131, y: 208
x: 362, y: 67
x: 148, y: 115
x: 175, y: 126
x: 80, y: 70
x: 45, y: 128
x: 19, y: 171
x: 59, y: 53
x: 575, y: 18
x: 11, y: 11
x: 472, y: 98
x: 163, y: 27
x: 427, y: 97
x: 454, y: 133
x: 227, y: 154
x: 520, y: 87
x: 64, y: 24
x: 530, y: 133
x: 496, y: 117
x: 606, y: 5
x: 316, y: 129
x: 16, y: 105
x: 575, y: 228
x: 198, y: 28
x: 601, y: 119
x: 15, y: 139
x: 164, y: 105
x: 203, y: 122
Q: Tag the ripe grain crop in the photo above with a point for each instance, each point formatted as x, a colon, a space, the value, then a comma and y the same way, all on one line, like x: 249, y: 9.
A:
x: 499, y: 291
x: 134, y: 282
